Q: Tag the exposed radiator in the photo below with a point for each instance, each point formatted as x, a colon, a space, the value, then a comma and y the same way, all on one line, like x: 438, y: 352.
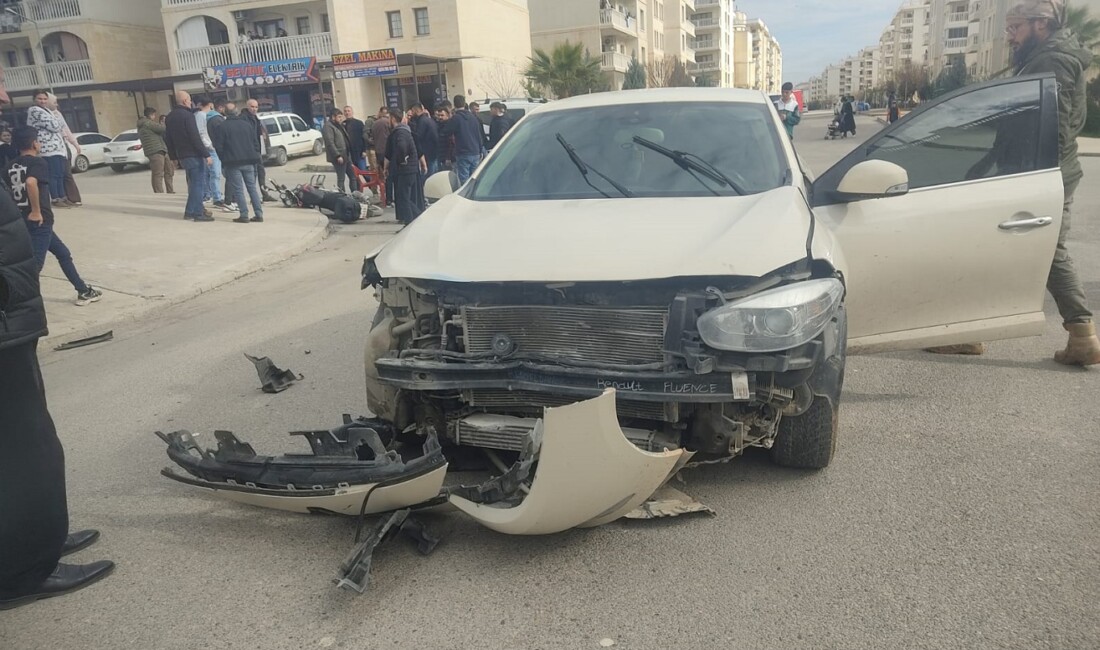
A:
x: 586, y: 334
x: 510, y: 433
x: 531, y: 404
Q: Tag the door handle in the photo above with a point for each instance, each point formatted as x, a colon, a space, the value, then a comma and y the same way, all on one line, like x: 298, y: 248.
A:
x: 1024, y: 224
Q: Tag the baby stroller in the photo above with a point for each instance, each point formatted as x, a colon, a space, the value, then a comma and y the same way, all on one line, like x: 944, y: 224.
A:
x: 835, y: 130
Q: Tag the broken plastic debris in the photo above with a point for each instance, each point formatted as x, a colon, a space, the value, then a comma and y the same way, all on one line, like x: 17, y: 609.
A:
x: 91, y: 340
x: 272, y: 378
x: 607, y: 643
x: 355, y: 571
x: 668, y: 502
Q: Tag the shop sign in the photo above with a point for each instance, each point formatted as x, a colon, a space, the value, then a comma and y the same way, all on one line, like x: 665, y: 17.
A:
x: 268, y: 73
x: 368, y: 63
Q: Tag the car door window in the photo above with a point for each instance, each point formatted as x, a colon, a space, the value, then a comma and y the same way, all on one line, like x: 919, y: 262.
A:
x: 92, y: 138
x: 299, y: 124
x: 284, y: 124
x: 974, y: 134
x: 269, y: 125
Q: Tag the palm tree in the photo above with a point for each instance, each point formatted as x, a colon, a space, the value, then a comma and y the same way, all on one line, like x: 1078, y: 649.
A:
x: 1084, y: 26
x: 566, y: 70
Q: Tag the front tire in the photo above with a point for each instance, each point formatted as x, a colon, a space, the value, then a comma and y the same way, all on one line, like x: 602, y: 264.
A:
x: 807, y: 441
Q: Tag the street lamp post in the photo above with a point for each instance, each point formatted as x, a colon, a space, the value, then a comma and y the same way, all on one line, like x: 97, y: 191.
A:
x: 41, y: 49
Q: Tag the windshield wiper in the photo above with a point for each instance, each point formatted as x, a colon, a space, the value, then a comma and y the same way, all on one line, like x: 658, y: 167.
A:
x: 584, y: 169
x: 689, y: 162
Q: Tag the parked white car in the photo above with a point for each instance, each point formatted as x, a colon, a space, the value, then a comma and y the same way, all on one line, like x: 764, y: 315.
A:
x: 91, y: 151
x: 290, y: 136
x: 658, y: 266
x: 125, y: 150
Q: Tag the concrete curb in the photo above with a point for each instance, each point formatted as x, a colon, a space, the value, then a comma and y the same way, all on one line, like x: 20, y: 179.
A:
x: 316, y: 235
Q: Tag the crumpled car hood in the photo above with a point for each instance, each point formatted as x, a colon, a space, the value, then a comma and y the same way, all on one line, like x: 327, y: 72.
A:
x: 593, y: 240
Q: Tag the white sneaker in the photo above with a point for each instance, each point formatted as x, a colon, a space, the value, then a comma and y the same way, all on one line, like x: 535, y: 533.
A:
x: 230, y: 207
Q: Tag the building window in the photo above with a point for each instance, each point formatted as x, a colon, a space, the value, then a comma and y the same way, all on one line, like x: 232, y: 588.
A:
x: 28, y: 55
x: 421, y: 17
x: 303, y: 25
x: 324, y: 23
x: 13, y: 59
x: 957, y: 32
x: 641, y: 19
x: 393, y: 19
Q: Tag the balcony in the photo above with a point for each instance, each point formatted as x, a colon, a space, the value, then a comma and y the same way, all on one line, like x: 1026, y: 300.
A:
x: 958, y: 44
x: 688, y: 26
x: 690, y: 4
x: 617, y: 20
x: 958, y: 17
x: 196, y: 59
x: 65, y: 73
x: 708, y: 43
x: 288, y: 47
x: 705, y: 23
x: 704, y: 66
x: 699, y: 4
x: 614, y: 62
x: 44, y: 11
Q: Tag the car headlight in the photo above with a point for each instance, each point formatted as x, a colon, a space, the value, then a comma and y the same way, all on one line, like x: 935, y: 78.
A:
x: 773, y: 320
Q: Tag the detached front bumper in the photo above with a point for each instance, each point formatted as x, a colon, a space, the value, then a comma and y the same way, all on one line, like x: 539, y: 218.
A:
x: 715, y: 387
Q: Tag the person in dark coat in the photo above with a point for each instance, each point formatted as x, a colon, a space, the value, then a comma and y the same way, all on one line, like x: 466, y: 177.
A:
x: 34, y: 513
x: 404, y: 164
x: 252, y: 113
x: 500, y: 123
x: 893, y: 114
x: 847, y: 117
x: 235, y: 142
x: 446, y: 149
x: 186, y: 148
x: 357, y: 140
x: 469, y: 139
x: 426, y: 134
x: 339, y: 151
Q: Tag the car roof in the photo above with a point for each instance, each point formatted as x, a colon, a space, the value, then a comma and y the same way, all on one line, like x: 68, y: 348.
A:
x: 658, y: 95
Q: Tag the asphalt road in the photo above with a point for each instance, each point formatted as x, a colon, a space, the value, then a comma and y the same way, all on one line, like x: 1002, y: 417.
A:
x: 960, y: 512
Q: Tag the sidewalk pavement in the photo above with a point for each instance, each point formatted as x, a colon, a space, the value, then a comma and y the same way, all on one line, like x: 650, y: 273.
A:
x: 1089, y: 147
x: 142, y: 254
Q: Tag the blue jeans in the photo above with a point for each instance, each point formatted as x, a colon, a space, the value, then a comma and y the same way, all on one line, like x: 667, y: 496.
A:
x: 56, y: 166
x: 214, y: 179
x: 465, y: 166
x: 196, y: 181
x: 45, y: 240
x: 242, y: 185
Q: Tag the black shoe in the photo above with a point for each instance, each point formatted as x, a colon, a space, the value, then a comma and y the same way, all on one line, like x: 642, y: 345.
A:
x: 257, y: 219
x: 241, y: 220
x: 204, y: 217
x: 65, y: 579
x: 79, y: 541
x: 267, y: 198
x: 189, y: 217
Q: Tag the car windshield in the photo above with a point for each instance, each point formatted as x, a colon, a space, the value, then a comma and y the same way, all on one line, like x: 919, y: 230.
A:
x: 126, y: 137
x: 740, y: 141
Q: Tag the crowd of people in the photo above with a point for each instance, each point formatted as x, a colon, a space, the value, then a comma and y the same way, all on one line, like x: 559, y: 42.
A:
x: 408, y: 145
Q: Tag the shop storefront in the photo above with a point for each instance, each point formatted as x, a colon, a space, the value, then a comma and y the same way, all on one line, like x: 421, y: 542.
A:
x: 287, y: 86
x: 404, y: 91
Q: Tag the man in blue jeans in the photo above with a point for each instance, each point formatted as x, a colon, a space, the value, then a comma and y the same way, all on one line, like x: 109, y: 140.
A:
x: 52, y: 143
x: 29, y: 178
x: 469, y: 138
x: 186, y: 148
x: 235, y: 142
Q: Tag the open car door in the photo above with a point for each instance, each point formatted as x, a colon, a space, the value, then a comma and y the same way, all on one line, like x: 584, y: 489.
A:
x: 963, y: 252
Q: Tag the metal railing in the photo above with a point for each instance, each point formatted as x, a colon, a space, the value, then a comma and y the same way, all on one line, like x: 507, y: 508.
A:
x: 195, y: 59
x: 67, y: 73
x: 955, y: 43
x: 615, y: 61
x: 705, y: 66
x: 959, y: 17
x: 24, y: 77
x: 703, y: 43
x: 287, y: 47
x: 705, y: 22
x: 47, y: 10
x: 618, y: 20
x: 707, y: 3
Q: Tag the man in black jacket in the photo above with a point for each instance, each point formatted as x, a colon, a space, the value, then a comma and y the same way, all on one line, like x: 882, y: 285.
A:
x: 252, y: 112
x: 34, y: 515
x: 426, y: 134
x: 235, y: 141
x: 357, y: 142
x: 186, y: 148
x: 500, y: 125
x: 404, y: 164
x: 469, y: 138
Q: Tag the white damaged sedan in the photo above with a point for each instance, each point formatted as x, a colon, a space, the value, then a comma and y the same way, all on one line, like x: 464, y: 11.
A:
x: 657, y: 267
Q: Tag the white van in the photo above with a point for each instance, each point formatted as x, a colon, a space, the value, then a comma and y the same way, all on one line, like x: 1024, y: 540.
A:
x: 289, y: 135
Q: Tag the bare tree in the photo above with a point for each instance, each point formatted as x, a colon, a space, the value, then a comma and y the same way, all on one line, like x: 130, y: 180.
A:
x: 661, y: 72
x: 502, y: 79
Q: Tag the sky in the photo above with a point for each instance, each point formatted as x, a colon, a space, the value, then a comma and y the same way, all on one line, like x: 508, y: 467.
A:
x: 816, y: 33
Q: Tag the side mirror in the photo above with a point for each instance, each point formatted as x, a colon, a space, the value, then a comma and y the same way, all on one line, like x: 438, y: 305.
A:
x: 440, y: 185
x: 873, y: 179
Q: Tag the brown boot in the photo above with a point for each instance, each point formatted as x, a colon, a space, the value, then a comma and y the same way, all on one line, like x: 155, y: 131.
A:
x: 962, y: 348
x: 1083, y: 348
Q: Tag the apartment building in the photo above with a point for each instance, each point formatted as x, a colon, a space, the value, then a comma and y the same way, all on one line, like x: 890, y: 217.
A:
x: 105, y: 60
x: 617, y: 31
x: 906, y: 40
x: 443, y: 47
x: 716, y: 47
x: 767, y: 58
